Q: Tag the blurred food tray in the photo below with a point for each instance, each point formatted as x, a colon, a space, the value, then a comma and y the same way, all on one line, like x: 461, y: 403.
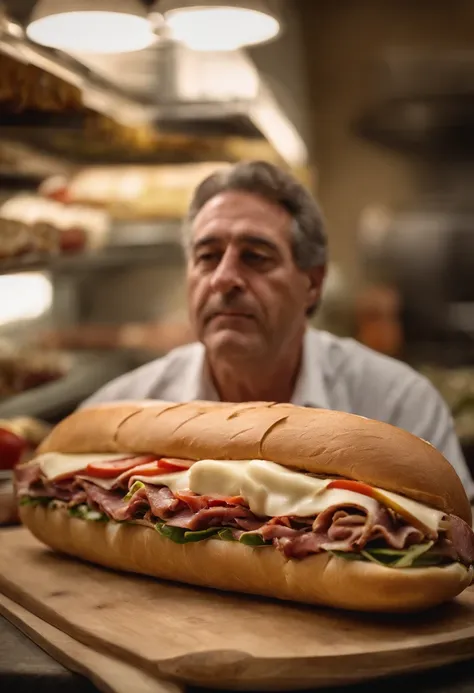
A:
x: 52, y: 401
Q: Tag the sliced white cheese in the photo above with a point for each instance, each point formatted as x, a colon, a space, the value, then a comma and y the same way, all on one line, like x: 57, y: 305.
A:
x: 54, y: 465
x: 106, y: 484
x: 214, y: 478
x: 175, y: 481
x: 415, y: 512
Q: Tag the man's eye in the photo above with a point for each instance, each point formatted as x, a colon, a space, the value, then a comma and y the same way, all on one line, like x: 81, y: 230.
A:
x: 252, y: 258
x: 207, y: 258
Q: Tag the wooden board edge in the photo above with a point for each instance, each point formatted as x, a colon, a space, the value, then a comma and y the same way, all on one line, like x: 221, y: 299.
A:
x: 110, y: 675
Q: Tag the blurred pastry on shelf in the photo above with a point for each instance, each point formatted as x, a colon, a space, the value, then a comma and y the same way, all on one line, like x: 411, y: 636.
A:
x: 26, y: 367
x: 24, y: 87
x: 16, y: 239
x: 133, y: 192
x: 32, y: 225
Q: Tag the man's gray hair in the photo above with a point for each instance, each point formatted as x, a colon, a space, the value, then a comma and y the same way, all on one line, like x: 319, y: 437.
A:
x: 275, y: 185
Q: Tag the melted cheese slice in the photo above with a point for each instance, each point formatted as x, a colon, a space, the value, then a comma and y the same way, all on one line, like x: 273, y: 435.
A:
x: 273, y: 490
x: 55, y: 465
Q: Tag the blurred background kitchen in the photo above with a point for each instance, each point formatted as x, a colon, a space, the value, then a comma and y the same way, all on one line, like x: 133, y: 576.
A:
x: 106, y: 128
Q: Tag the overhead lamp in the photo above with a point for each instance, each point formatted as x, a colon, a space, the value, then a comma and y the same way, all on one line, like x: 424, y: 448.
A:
x: 91, y: 26
x: 220, y: 25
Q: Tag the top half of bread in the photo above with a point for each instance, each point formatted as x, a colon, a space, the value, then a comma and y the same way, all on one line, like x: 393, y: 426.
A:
x: 319, y: 441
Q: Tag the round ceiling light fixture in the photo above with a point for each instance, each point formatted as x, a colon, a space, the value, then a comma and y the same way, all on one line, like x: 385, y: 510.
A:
x: 91, y: 26
x: 220, y: 25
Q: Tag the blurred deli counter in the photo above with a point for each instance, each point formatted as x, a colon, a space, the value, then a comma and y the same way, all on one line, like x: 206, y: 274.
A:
x: 99, y: 155
x: 418, y: 258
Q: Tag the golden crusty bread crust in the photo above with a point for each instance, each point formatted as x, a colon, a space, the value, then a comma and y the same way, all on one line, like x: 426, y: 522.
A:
x: 317, y: 441
x: 321, y: 579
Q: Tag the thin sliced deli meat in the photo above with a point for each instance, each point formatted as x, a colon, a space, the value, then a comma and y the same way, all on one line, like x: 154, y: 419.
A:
x: 26, y: 476
x: 111, y: 503
x: 356, y: 527
x: 346, y: 528
x: 220, y: 516
x: 461, y: 537
x: 196, y: 502
x: 161, y: 501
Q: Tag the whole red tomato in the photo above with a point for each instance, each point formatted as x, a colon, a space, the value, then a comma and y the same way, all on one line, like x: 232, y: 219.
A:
x: 12, y: 448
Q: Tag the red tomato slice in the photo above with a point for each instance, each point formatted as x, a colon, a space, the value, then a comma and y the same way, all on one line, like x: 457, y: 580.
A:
x: 108, y: 470
x: 356, y: 486
x: 174, y: 465
x: 150, y: 469
x: 154, y: 468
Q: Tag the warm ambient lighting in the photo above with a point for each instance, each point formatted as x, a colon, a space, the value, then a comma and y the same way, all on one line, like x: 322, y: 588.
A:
x: 91, y: 26
x: 213, y: 25
x: 24, y: 297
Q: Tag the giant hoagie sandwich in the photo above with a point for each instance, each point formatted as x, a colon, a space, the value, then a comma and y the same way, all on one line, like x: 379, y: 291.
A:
x: 305, y: 505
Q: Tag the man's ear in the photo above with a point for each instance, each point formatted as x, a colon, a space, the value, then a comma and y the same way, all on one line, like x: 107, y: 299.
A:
x: 316, y: 277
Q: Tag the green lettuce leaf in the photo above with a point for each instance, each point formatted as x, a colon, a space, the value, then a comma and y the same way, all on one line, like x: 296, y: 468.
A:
x: 183, y: 536
x: 83, y: 512
x: 253, y: 540
x: 28, y: 500
x: 412, y: 554
x: 416, y: 556
x: 226, y: 535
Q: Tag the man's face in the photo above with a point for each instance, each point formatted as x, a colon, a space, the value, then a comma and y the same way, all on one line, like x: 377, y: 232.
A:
x: 247, y: 298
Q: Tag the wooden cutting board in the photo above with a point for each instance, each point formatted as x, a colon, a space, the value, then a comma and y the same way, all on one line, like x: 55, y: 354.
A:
x: 108, y: 674
x: 221, y: 640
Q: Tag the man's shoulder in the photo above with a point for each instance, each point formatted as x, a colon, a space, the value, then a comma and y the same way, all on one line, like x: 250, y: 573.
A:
x: 162, y: 378
x: 345, y: 356
x: 363, y: 381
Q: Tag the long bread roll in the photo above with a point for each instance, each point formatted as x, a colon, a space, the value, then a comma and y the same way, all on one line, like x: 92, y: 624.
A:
x: 321, y: 579
x: 387, y: 487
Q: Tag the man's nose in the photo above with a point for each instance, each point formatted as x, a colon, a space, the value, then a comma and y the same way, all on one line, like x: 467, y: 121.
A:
x: 227, y: 275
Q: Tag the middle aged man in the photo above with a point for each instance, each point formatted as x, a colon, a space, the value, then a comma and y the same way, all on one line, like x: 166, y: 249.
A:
x: 256, y: 257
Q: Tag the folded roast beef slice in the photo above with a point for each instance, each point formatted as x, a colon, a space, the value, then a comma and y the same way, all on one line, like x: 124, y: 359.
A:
x: 162, y: 502
x: 210, y: 517
x: 462, y: 538
x: 26, y: 477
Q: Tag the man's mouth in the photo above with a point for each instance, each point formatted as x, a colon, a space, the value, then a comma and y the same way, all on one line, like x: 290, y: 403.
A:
x: 230, y: 315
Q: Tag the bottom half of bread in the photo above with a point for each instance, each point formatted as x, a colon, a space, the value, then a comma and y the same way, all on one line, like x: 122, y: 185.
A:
x: 321, y: 579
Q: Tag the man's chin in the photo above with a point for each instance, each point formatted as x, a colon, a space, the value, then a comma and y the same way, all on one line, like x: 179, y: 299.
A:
x: 232, y: 344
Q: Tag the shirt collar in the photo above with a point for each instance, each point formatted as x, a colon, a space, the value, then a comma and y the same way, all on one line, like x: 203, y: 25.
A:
x: 310, y: 390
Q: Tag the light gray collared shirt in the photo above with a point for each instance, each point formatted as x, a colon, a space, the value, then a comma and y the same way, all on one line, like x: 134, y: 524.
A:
x: 339, y: 374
